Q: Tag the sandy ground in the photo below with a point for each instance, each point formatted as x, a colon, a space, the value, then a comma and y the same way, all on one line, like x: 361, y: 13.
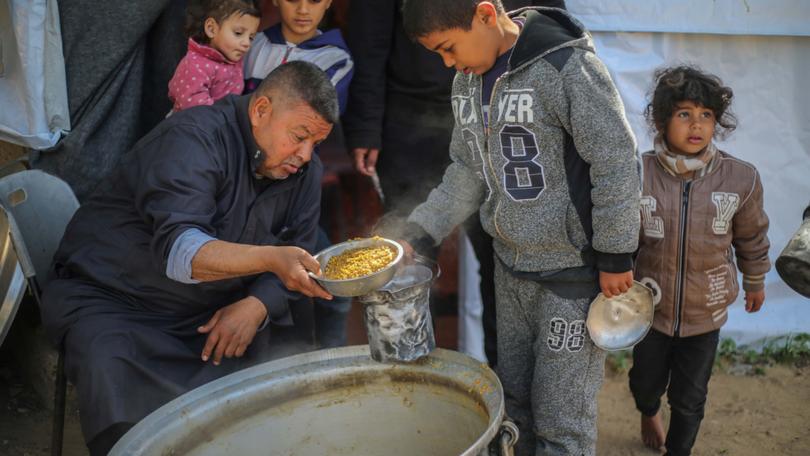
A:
x: 747, y: 415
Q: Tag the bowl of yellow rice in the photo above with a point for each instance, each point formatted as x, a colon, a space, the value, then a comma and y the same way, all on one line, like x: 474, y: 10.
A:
x: 359, y: 266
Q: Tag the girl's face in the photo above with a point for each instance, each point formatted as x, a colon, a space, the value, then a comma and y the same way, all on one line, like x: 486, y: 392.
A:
x: 233, y: 36
x: 300, y: 18
x: 690, y: 129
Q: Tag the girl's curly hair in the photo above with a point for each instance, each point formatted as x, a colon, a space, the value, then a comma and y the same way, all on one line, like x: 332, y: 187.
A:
x: 688, y: 83
x: 200, y: 10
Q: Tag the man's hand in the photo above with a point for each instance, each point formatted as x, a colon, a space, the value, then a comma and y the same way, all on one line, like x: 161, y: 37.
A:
x: 291, y: 265
x: 754, y: 300
x: 614, y: 284
x: 232, y: 329
x: 365, y: 160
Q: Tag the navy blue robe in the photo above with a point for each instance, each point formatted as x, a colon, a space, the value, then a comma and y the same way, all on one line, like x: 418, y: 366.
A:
x: 130, y: 332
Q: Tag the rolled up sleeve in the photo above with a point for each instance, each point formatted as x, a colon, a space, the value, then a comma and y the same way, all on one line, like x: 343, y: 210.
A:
x: 185, y: 247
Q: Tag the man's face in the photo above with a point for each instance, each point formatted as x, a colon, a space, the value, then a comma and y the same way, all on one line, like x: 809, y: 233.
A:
x: 468, y: 51
x: 287, y: 134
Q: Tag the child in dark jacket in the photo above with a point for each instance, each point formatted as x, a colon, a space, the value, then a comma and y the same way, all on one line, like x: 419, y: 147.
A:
x: 220, y: 33
x: 698, y: 204
x: 297, y: 37
x: 542, y: 150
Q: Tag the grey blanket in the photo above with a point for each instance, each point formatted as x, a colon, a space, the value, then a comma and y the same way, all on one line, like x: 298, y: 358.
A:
x: 119, y: 57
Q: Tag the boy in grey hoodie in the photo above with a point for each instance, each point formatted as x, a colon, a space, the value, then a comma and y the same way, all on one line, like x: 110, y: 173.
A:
x: 541, y: 145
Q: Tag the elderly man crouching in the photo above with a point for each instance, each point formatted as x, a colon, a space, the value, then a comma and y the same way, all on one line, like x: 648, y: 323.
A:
x: 165, y: 277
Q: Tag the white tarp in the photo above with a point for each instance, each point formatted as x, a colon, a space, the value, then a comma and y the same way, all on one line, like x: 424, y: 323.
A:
x: 761, y: 49
x: 471, y: 307
x: 734, y: 17
x: 33, y: 90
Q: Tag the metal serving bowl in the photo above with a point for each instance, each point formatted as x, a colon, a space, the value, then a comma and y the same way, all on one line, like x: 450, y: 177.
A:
x: 360, y: 285
x: 620, y: 322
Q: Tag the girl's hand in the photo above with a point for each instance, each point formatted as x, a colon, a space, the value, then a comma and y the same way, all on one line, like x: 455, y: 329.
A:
x: 614, y: 284
x: 754, y: 300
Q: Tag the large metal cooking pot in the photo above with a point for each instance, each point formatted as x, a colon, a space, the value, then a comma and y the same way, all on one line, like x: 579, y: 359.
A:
x: 335, y: 402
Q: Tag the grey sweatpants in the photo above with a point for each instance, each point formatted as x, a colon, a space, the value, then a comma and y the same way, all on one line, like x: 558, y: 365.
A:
x: 550, y: 370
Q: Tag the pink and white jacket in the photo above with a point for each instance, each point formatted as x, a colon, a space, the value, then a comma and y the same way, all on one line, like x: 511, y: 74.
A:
x: 204, y: 76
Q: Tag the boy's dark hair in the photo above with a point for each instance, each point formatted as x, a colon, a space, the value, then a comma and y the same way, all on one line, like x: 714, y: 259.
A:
x: 422, y: 17
x: 200, y: 10
x: 302, y: 81
x: 688, y: 83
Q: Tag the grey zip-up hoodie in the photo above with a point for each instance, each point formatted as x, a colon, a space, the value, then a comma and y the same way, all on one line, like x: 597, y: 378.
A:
x: 556, y: 177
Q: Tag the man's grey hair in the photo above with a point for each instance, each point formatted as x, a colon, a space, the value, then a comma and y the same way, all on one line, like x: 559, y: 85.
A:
x: 302, y: 81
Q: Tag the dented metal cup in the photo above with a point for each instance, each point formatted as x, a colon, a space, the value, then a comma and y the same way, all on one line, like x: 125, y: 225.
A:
x: 397, y: 316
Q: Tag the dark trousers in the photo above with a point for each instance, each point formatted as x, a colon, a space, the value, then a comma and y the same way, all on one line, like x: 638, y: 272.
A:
x: 681, y: 366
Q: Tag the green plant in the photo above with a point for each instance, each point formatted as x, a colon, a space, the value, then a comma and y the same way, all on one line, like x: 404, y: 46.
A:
x: 726, y: 348
x: 792, y: 349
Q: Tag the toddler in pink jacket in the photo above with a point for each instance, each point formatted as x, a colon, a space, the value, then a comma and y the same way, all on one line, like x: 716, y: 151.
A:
x: 220, y: 33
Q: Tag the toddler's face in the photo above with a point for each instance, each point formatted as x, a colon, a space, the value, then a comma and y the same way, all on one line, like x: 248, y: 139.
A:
x: 300, y: 18
x: 233, y: 36
x: 690, y: 129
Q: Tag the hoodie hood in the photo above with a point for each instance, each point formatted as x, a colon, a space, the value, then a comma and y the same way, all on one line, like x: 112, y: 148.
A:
x: 546, y: 30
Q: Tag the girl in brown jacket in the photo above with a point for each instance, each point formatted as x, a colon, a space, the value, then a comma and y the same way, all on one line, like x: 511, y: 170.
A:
x: 699, y: 204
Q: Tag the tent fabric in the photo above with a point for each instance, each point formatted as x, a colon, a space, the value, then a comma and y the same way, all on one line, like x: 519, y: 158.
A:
x: 119, y: 57
x: 33, y: 92
x: 767, y: 73
x: 733, y: 17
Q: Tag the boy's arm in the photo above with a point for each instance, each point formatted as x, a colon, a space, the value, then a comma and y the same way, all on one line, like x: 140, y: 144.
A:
x: 457, y: 197
x: 590, y: 109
